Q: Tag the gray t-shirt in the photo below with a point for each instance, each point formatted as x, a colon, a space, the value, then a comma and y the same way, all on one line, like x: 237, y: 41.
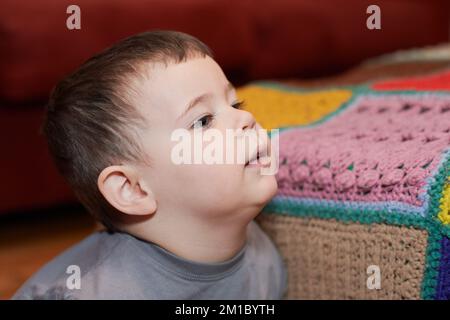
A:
x: 120, y: 266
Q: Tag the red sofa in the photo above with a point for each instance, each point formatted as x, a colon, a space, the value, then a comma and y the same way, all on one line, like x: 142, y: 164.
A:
x: 250, y: 39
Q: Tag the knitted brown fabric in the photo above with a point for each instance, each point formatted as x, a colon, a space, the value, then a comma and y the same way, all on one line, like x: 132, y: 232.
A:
x: 327, y: 259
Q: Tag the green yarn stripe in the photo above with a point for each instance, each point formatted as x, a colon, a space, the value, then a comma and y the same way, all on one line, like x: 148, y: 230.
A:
x: 343, y: 214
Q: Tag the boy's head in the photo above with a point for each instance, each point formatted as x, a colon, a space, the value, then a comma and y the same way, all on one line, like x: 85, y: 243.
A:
x: 109, y: 128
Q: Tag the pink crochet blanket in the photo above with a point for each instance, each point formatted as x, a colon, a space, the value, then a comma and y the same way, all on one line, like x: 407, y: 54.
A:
x: 367, y: 184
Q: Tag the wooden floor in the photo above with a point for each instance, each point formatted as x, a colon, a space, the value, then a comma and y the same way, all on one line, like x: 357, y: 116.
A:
x: 28, y: 241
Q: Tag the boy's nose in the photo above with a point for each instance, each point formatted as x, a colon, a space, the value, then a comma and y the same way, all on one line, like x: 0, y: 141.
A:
x: 246, y: 120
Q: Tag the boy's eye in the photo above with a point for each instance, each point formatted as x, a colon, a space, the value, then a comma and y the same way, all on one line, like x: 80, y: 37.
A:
x: 203, y: 122
x: 238, y: 105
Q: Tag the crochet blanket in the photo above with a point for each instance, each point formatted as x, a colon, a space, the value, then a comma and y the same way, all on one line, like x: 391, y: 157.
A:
x: 363, y: 183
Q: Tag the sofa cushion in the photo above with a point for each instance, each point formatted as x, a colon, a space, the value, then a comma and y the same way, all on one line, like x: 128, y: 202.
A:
x: 251, y: 40
x: 30, y: 179
x: 38, y: 49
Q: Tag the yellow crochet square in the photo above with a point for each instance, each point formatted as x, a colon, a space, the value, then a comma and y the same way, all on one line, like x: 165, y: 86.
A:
x: 444, y: 213
x: 275, y: 108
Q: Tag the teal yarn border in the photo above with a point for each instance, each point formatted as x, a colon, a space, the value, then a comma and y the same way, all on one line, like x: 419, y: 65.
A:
x: 432, y: 261
x: 349, y: 215
x: 436, y: 231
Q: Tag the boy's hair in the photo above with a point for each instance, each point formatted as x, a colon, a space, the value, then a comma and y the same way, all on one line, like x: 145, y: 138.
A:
x: 90, y: 121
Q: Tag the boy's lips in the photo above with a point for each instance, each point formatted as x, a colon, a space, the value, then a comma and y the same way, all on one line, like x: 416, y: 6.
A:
x: 260, y: 157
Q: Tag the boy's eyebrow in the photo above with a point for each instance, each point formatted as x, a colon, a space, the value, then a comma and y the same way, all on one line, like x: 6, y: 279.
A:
x: 202, y: 98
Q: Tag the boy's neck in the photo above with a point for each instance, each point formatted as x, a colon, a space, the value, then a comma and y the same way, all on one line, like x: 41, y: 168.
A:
x: 197, y: 241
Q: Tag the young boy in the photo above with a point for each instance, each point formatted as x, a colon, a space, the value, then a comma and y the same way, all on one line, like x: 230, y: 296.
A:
x: 175, y: 231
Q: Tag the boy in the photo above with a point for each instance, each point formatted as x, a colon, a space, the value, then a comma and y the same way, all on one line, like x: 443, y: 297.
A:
x: 175, y: 231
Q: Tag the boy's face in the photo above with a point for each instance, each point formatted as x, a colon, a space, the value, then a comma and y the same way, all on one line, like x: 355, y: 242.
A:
x: 204, y: 191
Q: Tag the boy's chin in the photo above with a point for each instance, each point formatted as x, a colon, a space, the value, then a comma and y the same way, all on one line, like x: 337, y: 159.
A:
x: 265, y: 190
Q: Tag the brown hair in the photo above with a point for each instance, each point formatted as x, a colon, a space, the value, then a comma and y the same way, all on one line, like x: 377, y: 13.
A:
x: 90, y: 120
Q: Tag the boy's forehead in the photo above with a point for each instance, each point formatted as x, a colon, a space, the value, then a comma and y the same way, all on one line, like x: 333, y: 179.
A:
x: 195, y: 74
x: 170, y: 88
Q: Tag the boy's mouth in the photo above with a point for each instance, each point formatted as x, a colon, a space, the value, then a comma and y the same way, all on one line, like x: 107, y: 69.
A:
x: 260, y: 157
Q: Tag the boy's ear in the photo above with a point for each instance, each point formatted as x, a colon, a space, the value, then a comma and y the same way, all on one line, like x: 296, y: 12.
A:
x: 122, y: 189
